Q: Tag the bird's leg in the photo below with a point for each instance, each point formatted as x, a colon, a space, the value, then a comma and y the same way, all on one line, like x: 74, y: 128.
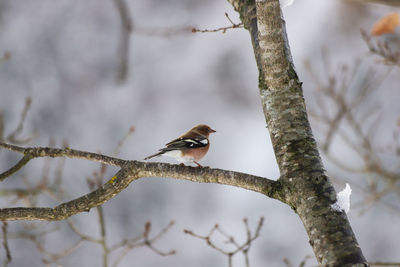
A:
x: 198, y: 164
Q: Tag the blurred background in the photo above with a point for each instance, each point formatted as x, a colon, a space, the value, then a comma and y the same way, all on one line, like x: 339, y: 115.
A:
x: 68, y: 56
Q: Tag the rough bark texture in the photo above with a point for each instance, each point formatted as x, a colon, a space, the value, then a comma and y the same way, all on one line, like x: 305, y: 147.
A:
x: 306, y: 187
x: 129, y: 172
x: 383, y: 2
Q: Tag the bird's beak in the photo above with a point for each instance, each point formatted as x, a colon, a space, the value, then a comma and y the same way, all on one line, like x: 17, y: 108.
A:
x: 212, y: 131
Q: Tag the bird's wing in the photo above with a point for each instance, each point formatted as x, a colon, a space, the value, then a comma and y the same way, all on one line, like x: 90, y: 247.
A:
x: 184, y: 143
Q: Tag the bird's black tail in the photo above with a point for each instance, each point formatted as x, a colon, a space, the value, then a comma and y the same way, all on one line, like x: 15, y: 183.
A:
x: 154, y: 155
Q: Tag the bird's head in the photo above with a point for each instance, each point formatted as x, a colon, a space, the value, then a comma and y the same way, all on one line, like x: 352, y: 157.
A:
x: 203, y: 129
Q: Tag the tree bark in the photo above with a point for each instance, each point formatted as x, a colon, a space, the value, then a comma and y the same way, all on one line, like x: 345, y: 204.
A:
x: 305, y: 185
x: 395, y: 3
x: 130, y: 171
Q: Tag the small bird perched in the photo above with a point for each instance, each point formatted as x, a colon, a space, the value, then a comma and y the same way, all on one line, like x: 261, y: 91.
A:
x: 189, y: 147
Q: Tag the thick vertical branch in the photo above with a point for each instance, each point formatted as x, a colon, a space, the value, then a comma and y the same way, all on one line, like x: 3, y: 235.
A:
x: 282, y: 97
x: 307, y: 189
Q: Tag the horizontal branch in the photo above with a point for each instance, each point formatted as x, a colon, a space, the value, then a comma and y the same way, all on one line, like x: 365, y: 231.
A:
x: 129, y: 172
x: 207, y: 175
x: 38, y: 152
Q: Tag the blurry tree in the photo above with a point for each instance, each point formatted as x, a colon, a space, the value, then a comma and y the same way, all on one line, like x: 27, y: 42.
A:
x: 303, y: 183
x: 384, y: 2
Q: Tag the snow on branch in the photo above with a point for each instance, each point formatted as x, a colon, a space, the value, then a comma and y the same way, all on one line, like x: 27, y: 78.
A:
x: 343, y: 200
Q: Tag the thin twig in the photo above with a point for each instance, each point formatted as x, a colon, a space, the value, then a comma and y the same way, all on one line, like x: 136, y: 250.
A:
x: 103, y: 235
x: 221, y: 29
x: 13, y: 136
x: 166, y: 32
x: 5, y: 244
x: 123, y: 140
x: 244, y: 248
x: 1, y: 126
x: 149, y: 241
x: 21, y: 163
x: 124, y: 44
x: 141, y: 241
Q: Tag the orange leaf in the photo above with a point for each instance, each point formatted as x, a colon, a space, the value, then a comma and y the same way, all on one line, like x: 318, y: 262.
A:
x: 386, y: 24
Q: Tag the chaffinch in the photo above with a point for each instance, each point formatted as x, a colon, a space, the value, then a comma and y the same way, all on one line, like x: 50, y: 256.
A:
x: 189, y: 147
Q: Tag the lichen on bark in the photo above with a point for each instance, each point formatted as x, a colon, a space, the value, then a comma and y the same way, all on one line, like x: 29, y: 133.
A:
x: 303, y: 182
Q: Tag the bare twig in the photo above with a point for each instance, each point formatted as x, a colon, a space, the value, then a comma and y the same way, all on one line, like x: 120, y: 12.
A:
x: 103, y: 235
x: 244, y: 248
x: 166, y: 32
x: 124, y: 45
x: 21, y: 163
x: 83, y: 236
x: 38, y: 239
x: 5, y: 244
x: 55, y: 257
x: 96, y: 182
x: 13, y: 136
x: 221, y: 29
x: 127, y: 28
x: 1, y: 126
x: 141, y: 241
x: 149, y: 241
x: 123, y: 140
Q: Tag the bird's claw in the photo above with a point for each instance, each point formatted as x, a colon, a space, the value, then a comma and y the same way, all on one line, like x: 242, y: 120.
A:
x: 198, y: 164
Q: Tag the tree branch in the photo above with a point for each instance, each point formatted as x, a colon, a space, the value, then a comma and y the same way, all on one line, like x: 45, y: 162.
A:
x: 129, y: 172
x: 38, y: 152
x: 124, y: 43
x: 4, y: 229
x: 21, y: 163
x: 308, y: 189
x: 383, y: 2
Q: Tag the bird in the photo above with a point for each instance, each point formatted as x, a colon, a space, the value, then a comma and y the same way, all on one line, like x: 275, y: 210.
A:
x: 190, y: 147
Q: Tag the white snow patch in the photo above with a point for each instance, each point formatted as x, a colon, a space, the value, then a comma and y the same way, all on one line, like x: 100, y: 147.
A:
x: 286, y: 3
x: 343, y: 200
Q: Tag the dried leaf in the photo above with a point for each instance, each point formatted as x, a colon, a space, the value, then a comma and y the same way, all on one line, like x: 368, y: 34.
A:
x: 386, y: 24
